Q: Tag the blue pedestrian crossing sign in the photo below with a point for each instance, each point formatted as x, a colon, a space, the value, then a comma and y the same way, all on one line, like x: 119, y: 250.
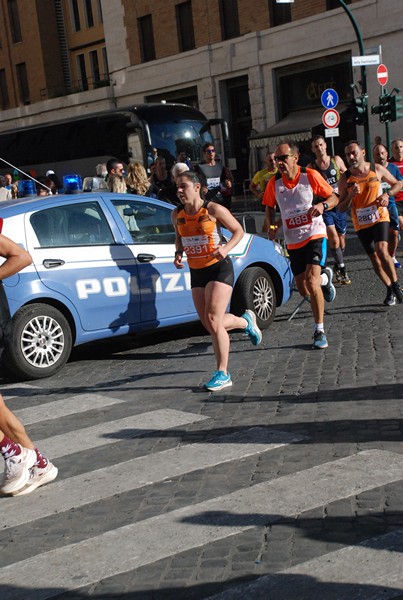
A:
x: 329, y: 98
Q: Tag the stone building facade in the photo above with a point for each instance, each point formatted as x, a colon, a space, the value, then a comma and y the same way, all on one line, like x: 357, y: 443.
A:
x: 258, y: 64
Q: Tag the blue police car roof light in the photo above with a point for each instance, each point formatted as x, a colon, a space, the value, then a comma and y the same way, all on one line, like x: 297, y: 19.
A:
x: 26, y: 187
x: 72, y: 184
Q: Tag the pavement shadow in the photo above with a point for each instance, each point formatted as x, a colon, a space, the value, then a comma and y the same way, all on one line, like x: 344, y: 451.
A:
x: 379, y: 393
x: 278, y: 586
x: 356, y: 431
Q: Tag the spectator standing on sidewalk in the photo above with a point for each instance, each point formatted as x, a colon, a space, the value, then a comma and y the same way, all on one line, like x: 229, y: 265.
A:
x: 115, y: 168
x: 137, y: 180
x: 8, y: 178
x: 181, y: 157
x: 5, y: 194
x: 162, y: 185
x: 25, y: 467
x: 380, y: 154
x: 261, y: 178
x: 331, y: 167
x: 302, y: 196
x: 360, y: 189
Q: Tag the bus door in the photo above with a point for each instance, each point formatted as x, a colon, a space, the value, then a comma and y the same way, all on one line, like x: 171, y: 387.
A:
x: 135, y: 147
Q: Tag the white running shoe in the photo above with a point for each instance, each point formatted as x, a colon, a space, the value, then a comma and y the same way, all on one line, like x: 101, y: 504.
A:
x: 38, y: 477
x: 17, y: 471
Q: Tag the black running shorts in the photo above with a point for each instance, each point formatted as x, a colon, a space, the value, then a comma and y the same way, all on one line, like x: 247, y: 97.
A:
x: 222, y: 271
x: 313, y: 253
x: 371, y: 235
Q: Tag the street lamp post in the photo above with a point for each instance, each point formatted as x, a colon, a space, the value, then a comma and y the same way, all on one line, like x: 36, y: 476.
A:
x: 367, y: 138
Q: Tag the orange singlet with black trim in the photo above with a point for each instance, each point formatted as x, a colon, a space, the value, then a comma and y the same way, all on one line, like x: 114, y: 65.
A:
x: 200, y: 236
x: 365, y: 212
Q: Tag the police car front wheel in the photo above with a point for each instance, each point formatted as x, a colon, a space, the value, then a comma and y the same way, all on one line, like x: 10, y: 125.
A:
x: 255, y: 290
x: 40, y: 342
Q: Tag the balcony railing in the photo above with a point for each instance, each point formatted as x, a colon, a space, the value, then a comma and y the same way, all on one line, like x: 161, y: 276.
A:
x: 76, y: 86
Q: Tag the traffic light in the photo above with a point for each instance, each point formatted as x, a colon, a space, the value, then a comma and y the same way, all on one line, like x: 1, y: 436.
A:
x: 360, y: 109
x: 385, y: 106
x: 395, y: 108
x: 389, y: 107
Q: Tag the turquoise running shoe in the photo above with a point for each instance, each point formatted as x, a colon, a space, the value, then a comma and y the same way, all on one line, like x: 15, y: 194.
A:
x: 218, y: 381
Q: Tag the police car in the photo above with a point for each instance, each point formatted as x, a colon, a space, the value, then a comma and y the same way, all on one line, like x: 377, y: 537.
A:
x: 103, y: 267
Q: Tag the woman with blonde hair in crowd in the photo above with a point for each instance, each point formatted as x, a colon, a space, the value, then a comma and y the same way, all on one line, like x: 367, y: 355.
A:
x: 117, y: 185
x: 137, y: 180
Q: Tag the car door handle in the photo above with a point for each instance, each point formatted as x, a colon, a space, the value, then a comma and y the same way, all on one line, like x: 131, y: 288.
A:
x: 145, y: 258
x: 51, y: 263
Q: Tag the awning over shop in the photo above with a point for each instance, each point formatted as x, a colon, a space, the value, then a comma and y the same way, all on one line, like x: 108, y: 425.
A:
x: 297, y: 125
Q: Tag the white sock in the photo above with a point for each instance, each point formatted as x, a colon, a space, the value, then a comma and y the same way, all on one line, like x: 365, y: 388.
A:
x: 319, y: 327
x: 324, y: 279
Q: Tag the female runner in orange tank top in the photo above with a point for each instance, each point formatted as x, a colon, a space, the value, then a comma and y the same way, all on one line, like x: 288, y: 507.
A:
x: 197, y: 226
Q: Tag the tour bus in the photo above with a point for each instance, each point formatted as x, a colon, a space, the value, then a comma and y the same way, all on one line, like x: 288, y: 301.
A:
x: 77, y: 145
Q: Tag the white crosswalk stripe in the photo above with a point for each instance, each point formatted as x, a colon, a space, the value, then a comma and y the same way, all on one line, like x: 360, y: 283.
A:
x: 70, y: 406
x: 112, y: 431
x: 103, y: 483
x: 372, y: 564
x: 126, y: 548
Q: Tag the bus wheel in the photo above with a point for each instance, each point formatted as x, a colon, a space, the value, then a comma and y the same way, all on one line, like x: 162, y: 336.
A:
x: 40, y: 342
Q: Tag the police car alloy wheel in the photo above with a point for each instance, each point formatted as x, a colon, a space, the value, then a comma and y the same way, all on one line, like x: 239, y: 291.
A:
x: 40, y: 342
x: 255, y: 290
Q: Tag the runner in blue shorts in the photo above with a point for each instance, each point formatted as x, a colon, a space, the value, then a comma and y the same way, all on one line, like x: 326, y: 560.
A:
x: 331, y: 167
x: 380, y: 154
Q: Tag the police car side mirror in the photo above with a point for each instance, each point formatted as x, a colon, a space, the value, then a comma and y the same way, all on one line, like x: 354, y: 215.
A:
x: 129, y: 212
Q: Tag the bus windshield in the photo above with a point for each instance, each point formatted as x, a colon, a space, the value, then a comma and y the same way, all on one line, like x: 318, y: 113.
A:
x: 129, y: 134
x: 171, y: 138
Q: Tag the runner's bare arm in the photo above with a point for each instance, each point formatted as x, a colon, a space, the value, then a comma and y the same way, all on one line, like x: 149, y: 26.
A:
x: 346, y: 195
x: 178, y: 242
x: 319, y: 208
x: 270, y: 222
x: 224, y: 216
x: 16, y: 257
x: 385, y: 175
x: 340, y: 164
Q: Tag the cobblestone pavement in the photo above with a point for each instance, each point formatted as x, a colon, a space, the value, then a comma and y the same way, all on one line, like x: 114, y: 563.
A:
x: 288, y: 485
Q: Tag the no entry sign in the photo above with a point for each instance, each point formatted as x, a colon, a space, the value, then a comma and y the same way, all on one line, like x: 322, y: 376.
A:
x: 382, y: 74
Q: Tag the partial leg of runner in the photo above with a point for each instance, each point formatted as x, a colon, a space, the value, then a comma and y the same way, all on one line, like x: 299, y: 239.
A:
x: 26, y: 468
